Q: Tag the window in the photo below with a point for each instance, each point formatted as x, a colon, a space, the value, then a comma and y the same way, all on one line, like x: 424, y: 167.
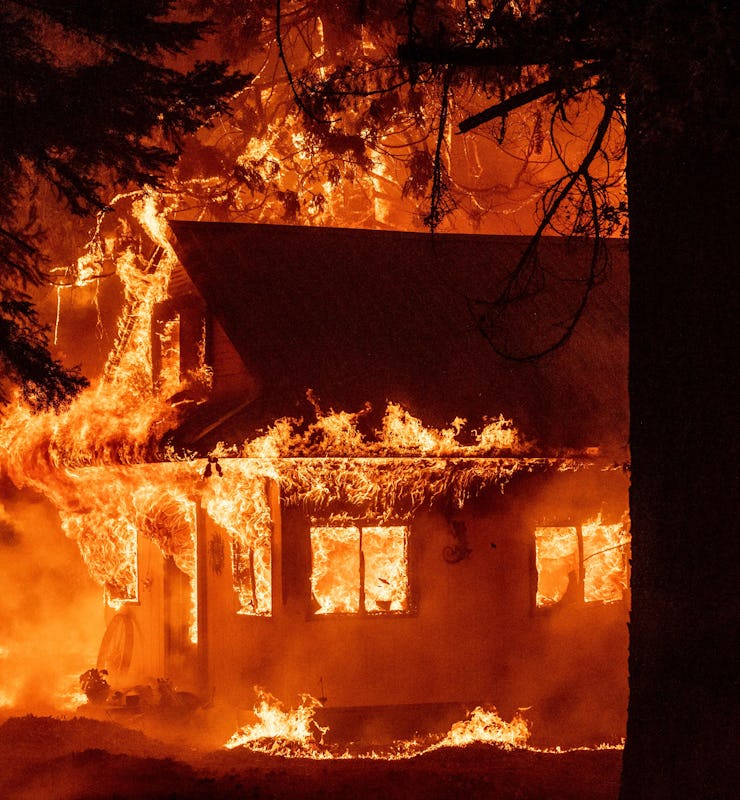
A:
x: 359, y: 569
x: 594, y: 556
x: 178, y: 342
x: 557, y: 563
x: 252, y: 571
x: 237, y: 501
x: 605, y: 561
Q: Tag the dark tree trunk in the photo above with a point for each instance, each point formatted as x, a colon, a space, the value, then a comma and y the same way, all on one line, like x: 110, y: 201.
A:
x: 683, y: 197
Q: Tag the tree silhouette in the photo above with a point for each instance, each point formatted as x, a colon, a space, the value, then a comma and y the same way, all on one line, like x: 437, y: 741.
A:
x: 90, y: 103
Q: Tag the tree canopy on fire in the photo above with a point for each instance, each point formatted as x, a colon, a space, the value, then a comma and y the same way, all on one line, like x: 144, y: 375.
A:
x: 92, y: 100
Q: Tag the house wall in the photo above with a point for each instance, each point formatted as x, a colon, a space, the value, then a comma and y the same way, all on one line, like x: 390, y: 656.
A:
x: 473, y: 634
x: 230, y: 376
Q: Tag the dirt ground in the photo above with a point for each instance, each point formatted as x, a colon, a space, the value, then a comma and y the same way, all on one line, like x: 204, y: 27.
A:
x: 44, y: 758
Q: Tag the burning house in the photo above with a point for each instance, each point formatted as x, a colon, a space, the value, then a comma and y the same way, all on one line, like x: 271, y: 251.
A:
x: 346, y: 508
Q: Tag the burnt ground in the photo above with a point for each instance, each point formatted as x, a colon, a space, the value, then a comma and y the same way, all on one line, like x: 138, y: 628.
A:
x: 44, y: 758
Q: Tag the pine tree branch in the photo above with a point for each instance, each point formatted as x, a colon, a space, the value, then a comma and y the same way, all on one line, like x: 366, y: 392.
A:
x: 550, y: 86
x: 522, y: 272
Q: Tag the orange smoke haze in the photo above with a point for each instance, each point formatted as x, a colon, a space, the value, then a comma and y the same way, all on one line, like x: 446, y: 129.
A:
x: 51, y: 616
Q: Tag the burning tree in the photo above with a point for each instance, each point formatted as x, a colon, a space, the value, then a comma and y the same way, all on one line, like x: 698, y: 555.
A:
x: 91, y: 101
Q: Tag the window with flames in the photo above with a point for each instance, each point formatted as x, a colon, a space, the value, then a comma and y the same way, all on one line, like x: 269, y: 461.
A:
x: 360, y: 569
x: 592, y: 559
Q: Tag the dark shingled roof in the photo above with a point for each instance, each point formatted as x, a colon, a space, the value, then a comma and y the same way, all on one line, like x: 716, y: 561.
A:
x: 362, y: 315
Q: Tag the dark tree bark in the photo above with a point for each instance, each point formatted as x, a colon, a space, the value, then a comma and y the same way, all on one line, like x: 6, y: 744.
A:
x: 683, y: 198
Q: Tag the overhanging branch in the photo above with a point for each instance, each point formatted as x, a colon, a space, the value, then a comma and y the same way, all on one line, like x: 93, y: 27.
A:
x: 550, y: 86
x: 522, y: 276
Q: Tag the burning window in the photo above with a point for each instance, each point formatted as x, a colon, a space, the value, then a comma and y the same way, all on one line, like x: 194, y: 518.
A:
x: 251, y: 564
x: 604, y: 561
x: 179, y: 348
x: 359, y: 569
x: 596, y: 555
x: 557, y: 563
x: 236, y: 500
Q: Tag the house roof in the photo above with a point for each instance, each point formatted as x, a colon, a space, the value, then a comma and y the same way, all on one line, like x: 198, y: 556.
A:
x: 365, y: 315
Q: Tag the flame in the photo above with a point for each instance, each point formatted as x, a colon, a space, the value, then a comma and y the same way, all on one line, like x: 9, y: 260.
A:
x: 557, y: 563
x: 105, y: 507
x: 237, y: 502
x: 335, y: 572
x: 385, y: 552
x: 359, y: 569
x: 296, y: 734
x: 167, y: 515
x: 487, y: 726
x: 101, y: 461
x: 280, y: 732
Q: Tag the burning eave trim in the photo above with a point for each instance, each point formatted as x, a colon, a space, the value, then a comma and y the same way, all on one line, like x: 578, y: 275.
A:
x: 105, y: 508
x: 398, y: 487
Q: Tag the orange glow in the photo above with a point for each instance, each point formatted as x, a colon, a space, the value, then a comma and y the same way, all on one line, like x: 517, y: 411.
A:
x: 487, y: 726
x: 386, y: 568
x: 167, y: 515
x: 335, y: 569
x: 237, y: 502
x: 104, y: 466
x: 357, y: 569
x: 169, y: 370
x: 7, y: 693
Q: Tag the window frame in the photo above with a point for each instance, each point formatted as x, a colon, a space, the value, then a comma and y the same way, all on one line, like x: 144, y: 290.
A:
x: 362, y: 610
x: 574, y: 595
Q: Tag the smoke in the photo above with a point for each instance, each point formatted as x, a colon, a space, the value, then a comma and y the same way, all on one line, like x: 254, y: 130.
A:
x: 51, y: 618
